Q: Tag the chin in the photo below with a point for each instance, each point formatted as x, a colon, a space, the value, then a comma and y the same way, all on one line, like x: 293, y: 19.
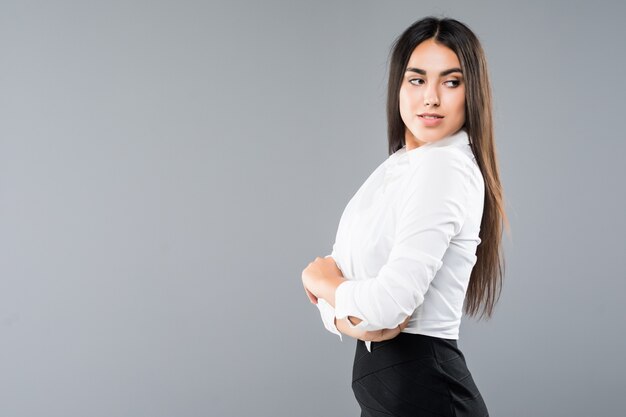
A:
x: 430, y: 136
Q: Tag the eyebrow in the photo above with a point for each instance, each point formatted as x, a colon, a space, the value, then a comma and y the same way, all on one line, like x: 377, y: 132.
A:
x: 442, y: 73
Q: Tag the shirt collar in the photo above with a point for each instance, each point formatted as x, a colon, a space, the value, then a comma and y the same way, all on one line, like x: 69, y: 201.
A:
x: 459, y: 139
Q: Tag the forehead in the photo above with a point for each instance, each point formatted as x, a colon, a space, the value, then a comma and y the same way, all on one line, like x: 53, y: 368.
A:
x: 433, y: 56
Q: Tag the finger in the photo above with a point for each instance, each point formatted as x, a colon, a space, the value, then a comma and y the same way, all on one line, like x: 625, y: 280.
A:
x: 311, y: 296
x: 405, y: 323
x: 384, y: 333
x: 389, y: 334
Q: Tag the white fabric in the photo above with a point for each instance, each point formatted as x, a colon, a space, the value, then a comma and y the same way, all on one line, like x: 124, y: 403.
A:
x: 406, y: 241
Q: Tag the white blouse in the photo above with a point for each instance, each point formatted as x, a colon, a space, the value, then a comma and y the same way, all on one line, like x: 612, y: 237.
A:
x: 406, y: 241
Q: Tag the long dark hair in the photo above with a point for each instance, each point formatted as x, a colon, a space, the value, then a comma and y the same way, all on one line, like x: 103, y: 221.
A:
x: 485, y: 283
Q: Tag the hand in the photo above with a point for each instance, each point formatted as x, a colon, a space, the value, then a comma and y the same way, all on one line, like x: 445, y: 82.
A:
x: 320, y: 278
x: 371, y: 335
x: 312, y: 297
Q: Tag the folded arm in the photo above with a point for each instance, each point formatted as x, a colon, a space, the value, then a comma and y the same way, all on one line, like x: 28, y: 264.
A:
x: 370, y: 335
x: 431, y: 213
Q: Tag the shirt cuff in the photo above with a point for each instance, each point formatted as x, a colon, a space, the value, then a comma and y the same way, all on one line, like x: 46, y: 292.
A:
x: 327, y: 312
x: 344, y: 304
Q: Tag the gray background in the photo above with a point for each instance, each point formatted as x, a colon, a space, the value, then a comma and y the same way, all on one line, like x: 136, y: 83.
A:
x: 167, y: 169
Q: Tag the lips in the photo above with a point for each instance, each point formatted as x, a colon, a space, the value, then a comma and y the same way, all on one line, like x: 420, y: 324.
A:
x: 430, y: 116
x: 431, y: 119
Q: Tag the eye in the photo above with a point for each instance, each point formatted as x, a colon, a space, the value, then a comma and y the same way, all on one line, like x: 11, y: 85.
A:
x: 455, y: 83
x: 416, y: 81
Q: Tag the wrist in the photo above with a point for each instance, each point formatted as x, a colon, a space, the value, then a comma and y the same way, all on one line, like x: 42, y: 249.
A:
x: 333, y: 283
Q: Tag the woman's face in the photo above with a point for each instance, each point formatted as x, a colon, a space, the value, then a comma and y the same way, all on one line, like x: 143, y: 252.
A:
x: 432, y: 83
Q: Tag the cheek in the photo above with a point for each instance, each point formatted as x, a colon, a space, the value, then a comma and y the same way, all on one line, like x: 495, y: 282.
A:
x: 461, y: 110
x: 406, y: 104
x: 459, y: 106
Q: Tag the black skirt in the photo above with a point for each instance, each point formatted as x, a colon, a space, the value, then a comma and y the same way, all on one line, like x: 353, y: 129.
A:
x: 415, y: 375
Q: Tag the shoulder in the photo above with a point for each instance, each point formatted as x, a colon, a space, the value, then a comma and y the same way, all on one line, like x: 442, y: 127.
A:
x: 448, y: 162
x: 442, y: 159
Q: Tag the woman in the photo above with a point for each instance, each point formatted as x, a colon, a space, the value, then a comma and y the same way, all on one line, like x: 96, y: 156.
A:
x: 420, y: 239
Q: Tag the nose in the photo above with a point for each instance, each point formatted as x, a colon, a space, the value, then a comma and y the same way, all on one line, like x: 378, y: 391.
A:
x: 431, y: 96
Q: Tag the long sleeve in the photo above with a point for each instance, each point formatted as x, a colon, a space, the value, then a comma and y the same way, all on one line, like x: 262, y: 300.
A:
x: 327, y: 312
x: 432, y: 211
